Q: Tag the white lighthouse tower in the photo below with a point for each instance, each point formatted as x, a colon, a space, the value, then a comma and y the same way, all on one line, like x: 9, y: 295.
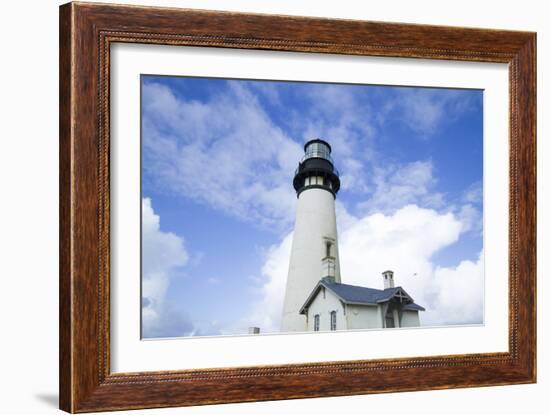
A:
x: 314, y: 252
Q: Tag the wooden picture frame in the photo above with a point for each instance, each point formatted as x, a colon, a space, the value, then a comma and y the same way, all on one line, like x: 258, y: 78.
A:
x: 86, y: 33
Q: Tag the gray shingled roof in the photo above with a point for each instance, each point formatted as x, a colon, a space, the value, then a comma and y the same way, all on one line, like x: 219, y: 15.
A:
x: 414, y: 306
x: 355, y: 294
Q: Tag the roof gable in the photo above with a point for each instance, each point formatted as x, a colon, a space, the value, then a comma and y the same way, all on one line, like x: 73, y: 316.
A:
x: 354, y: 294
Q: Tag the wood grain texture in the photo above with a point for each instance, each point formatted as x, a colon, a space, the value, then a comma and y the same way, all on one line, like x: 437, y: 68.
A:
x: 86, y: 33
x: 65, y: 246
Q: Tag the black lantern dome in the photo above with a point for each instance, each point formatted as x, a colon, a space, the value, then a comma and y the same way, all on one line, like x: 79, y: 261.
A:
x: 316, y: 169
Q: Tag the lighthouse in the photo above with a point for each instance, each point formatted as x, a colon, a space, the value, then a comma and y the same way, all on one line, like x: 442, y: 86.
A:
x: 314, y: 254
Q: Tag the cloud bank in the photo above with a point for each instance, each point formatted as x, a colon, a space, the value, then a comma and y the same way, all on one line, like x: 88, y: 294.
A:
x: 162, y: 253
x: 228, y: 150
x: 404, y: 242
x: 226, y: 153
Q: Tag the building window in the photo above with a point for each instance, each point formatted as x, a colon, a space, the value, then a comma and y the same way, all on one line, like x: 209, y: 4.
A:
x: 333, y: 320
x: 316, y: 322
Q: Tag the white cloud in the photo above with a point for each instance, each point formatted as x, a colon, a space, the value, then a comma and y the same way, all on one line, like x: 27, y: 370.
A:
x: 398, y: 185
x: 226, y: 153
x: 461, y: 294
x: 269, y: 90
x: 229, y: 153
x: 472, y: 218
x: 470, y: 211
x: 474, y: 193
x: 404, y: 242
x: 162, y: 253
x: 425, y: 110
x: 336, y: 114
x: 266, y: 312
x: 214, y: 280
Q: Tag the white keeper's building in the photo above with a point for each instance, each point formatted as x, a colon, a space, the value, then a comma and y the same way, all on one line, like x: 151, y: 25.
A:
x: 315, y: 298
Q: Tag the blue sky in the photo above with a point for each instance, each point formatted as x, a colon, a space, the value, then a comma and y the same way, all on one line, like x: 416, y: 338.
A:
x: 218, y: 158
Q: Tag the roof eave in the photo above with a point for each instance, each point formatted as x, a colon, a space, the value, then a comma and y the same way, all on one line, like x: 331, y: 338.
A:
x: 359, y: 303
x: 311, y: 297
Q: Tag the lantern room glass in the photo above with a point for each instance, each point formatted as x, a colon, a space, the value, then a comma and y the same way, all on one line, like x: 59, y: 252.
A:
x: 318, y: 150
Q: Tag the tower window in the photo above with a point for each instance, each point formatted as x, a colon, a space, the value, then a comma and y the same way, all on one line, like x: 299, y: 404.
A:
x: 316, y: 322
x: 328, y: 246
x: 333, y: 320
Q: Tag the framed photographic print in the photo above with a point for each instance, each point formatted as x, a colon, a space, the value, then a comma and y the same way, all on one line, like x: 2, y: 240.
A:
x: 260, y: 207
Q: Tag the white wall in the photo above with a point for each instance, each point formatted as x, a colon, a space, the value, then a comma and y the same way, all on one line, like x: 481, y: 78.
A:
x: 362, y: 317
x: 323, y: 305
x: 28, y: 219
x: 410, y: 318
x: 355, y: 317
